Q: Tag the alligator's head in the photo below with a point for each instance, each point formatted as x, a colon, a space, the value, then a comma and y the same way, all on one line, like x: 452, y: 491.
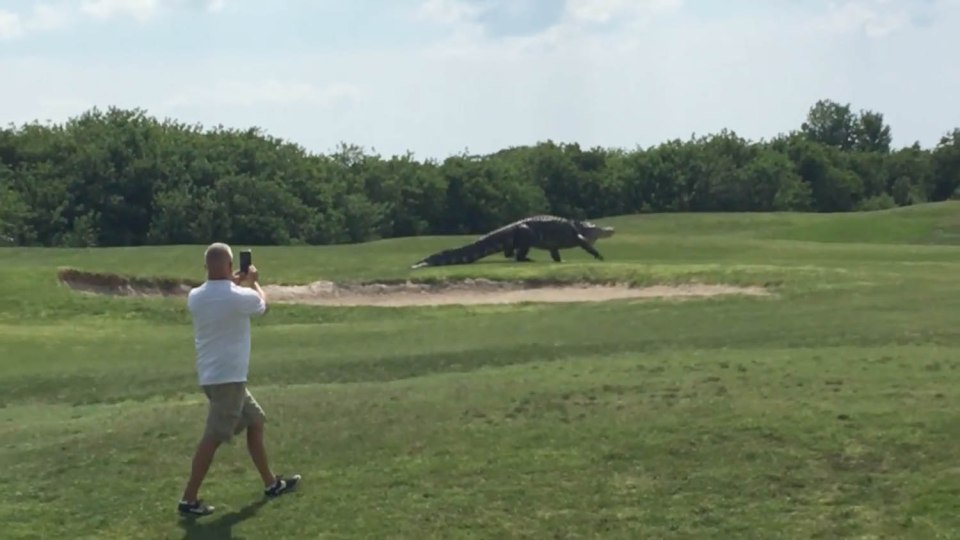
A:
x: 593, y: 232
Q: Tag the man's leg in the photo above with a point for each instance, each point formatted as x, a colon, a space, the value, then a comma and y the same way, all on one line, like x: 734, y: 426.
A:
x: 202, y: 459
x: 259, y: 454
x: 254, y: 419
x: 223, y: 415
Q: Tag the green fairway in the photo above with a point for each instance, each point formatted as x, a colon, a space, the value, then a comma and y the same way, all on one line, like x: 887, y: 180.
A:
x: 825, y: 410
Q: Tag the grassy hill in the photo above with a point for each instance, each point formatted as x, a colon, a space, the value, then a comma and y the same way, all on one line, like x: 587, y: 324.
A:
x: 825, y: 410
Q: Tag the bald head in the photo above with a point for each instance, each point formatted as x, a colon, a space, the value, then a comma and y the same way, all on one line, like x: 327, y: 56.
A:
x: 219, y: 261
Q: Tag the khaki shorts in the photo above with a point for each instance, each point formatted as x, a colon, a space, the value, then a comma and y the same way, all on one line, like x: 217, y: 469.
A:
x: 232, y: 409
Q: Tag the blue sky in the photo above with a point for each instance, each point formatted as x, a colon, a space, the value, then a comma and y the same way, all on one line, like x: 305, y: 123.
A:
x: 438, y: 77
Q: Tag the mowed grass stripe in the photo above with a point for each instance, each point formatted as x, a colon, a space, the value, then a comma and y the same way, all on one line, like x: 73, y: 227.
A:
x: 627, y: 438
x: 139, y: 361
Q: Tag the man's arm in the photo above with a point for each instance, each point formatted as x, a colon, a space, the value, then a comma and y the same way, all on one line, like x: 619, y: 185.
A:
x: 263, y: 296
x: 254, y: 300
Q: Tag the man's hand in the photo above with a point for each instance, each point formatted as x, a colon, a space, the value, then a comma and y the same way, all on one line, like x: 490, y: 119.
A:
x: 252, y: 276
x: 253, y: 281
x: 249, y: 278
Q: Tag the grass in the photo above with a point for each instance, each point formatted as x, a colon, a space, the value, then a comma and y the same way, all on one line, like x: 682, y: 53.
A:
x: 826, y: 411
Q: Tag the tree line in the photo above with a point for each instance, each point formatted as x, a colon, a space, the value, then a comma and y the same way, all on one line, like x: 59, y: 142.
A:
x: 121, y: 177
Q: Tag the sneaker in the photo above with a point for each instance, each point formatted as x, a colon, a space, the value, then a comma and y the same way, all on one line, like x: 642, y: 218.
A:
x: 281, y: 485
x: 196, y: 508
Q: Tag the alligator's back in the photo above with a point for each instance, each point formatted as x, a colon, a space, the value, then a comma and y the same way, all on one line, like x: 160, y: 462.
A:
x: 531, y: 220
x: 551, y: 232
x: 544, y: 231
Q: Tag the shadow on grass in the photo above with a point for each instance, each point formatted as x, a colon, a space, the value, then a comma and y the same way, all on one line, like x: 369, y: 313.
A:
x: 220, y: 528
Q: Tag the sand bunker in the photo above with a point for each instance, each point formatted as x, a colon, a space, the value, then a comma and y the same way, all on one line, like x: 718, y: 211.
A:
x: 117, y: 285
x: 472, y: 292
x: 466, y: 292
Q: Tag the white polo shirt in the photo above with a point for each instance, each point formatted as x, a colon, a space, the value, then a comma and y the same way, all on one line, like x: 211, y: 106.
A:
x: 221, y: 313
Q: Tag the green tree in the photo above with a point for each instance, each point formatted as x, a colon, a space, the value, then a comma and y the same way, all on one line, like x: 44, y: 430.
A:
x: 120, y: 177
x: 831, y: 124
x: 946, y: 167
x: 14, y: 212
x: 871, y: 134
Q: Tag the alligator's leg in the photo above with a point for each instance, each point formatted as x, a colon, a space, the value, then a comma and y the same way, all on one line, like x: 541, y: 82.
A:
x: 508, y: 251
x: 555, y: 254
x: 523, y: 240
x: 587, y: 247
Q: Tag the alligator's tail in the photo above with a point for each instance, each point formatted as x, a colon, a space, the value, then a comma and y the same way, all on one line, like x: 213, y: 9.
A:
x: 483, y: 247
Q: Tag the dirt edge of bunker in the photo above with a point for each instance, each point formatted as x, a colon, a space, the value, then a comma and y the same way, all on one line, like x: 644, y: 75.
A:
x: 397, y: 293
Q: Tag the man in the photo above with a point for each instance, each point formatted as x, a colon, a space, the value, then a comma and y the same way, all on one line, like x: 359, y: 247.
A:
x: 221, y: 309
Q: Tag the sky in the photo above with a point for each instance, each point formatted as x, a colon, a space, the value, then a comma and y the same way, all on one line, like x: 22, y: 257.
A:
x: 442, y: 77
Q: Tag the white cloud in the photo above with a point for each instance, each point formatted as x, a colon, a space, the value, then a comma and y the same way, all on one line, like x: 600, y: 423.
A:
x: 602, y: 11
x: 45, y: 17
x: 11, y: 25
x: 616, y: 74
x: 270, y: 91
x: 143, y: 10
x: 451, y: 11
x: 875, y: 18
x: 48, y: 17
x: 467, y: 12
x: 140, y: 10
x: 620, y: 24
x: 624, y: 72
x: 42, y: 17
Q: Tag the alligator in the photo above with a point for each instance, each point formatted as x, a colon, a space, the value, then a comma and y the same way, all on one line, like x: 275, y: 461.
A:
x: 547, y: 232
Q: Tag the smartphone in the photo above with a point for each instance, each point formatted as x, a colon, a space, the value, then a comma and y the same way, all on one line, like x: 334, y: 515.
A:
x: 246, y: 257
